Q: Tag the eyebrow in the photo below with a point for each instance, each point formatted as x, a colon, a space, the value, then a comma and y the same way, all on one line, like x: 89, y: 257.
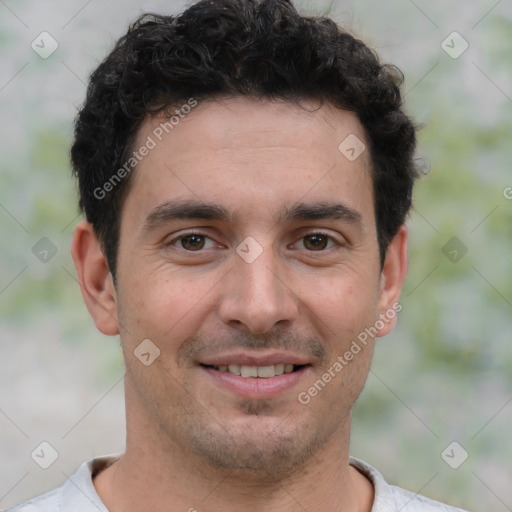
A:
x: 322, y: 210
x: 196, y: 210
x: 169, y: 211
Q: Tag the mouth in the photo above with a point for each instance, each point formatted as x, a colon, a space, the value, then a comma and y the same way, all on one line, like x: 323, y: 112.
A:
x: 265, y: 380
x: 258, y: 372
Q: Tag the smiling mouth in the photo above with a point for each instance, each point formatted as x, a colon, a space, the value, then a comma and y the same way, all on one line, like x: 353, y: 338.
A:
x: 261, y: 372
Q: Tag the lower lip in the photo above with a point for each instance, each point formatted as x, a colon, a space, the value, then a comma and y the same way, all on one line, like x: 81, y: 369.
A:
x: 255, y: 387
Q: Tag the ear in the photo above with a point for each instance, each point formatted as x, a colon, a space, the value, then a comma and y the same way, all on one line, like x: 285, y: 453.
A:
x: 392, y: 279
x: 95, y: 279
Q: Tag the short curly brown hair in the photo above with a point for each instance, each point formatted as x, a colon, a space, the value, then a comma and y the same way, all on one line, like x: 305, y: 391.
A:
x: 219, y: 48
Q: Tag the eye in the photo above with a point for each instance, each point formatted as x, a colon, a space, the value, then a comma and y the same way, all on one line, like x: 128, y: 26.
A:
x: 193, y: 242
x: 317, y: 242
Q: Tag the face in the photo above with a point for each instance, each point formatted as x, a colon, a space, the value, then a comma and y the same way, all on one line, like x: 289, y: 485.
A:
x: 248, y: 257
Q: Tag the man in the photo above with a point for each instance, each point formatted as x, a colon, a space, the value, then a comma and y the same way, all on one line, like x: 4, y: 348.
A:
x: 245, y: 175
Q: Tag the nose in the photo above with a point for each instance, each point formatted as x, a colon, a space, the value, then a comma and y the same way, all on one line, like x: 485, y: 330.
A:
x: 256, y: 295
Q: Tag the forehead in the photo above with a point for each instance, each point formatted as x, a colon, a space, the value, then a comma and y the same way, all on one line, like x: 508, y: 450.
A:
x: 232, y: 150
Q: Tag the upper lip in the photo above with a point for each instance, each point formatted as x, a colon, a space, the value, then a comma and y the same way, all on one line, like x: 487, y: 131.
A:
x: 254, y: 359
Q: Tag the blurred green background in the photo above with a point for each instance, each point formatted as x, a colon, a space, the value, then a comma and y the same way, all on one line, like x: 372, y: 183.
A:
x: 443, y: 375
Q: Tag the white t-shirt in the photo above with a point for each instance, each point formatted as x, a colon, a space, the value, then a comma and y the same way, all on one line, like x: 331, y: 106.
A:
x: 78, y: 494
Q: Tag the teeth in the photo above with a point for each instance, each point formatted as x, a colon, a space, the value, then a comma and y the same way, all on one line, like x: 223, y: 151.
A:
x: 266, y: 371
x: 234, y: 369
x: 263, y: 372
x: 249, y: 371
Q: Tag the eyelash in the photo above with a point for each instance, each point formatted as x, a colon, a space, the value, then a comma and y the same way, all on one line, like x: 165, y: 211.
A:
x: 182, y: 236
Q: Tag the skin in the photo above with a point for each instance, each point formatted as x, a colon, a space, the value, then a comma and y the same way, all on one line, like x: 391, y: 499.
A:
x: 192, y: 442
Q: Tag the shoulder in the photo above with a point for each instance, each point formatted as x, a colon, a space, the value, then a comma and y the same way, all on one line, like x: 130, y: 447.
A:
x: 410, y: 502
x: 389, y: 498
x: 77, y: 493
x: 48, y: 502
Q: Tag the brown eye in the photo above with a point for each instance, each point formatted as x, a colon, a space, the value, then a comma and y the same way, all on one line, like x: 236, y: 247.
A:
x: 192, y: 242
x: 316, y: 242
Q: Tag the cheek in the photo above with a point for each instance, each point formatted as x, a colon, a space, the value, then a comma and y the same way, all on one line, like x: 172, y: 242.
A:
x: 163, y: 305
x: 342, y: 305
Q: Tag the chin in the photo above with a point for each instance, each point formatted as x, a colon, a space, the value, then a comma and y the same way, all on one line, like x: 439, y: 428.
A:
x: 259, y: 446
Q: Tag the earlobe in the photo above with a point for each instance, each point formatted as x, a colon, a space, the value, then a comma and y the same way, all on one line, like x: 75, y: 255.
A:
x: 95, y: 279
x: 392, y: 280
